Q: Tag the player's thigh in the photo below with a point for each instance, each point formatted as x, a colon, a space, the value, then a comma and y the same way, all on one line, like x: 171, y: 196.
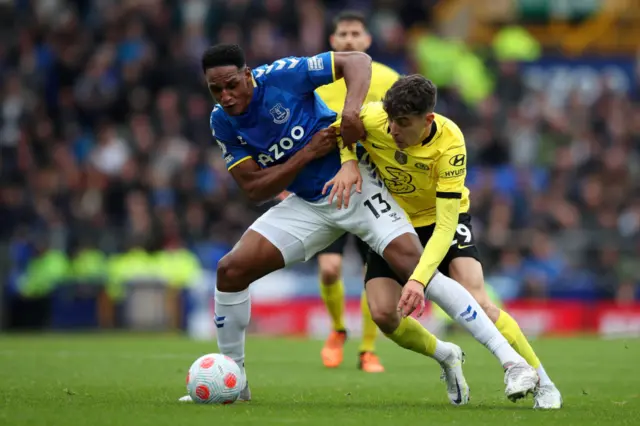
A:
x: 253, y: 257
x: 296, y: 229
x: 362, y: 249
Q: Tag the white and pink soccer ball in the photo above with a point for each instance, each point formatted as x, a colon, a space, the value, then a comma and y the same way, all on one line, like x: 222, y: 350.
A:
x: 215, y: 379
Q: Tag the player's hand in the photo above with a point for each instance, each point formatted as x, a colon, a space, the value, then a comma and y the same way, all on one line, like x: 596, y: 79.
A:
x: 412, y: 298
x: 323, y: 142
x: 351, y: 129
x: 342, y: 182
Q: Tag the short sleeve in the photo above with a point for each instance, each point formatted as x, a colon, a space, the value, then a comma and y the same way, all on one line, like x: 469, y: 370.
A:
x: 452, y: 170
x: 301, y: 75
x: 234, y: 150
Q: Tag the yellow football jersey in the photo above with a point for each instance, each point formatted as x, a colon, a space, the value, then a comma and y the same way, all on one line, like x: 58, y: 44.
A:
x: 382, y: 78
x: 416, y: 175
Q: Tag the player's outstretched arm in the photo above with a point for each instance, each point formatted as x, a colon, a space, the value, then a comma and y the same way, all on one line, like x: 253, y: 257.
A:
x: 355, y: 68
x: 264, y: 184
x: 451, y: 175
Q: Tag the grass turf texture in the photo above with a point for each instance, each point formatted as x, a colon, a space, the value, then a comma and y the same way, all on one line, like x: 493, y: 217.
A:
x: 136, y: 379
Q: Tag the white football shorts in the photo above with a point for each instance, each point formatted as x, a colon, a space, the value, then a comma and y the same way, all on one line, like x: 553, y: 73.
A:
x: 300, y: 229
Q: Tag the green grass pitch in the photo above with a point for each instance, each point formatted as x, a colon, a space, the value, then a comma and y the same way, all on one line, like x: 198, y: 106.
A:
x: 134, y: 379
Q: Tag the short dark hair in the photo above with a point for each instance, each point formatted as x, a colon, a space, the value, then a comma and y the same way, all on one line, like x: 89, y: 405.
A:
x: 222, y: 55
x: 410, y: 95
x: 349, y: 16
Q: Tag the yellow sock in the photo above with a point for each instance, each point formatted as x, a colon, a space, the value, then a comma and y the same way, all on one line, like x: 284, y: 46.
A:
x: 411, y: 335
x: 333, y: 296
x: 369, y: 328
x: 510, y: 329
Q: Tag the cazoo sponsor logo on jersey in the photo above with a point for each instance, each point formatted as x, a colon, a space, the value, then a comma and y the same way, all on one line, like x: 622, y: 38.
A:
x: 279, y: 149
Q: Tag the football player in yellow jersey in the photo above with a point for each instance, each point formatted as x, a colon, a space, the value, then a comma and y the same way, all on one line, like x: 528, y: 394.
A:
x: 421, y: 158
x: 349, y: 34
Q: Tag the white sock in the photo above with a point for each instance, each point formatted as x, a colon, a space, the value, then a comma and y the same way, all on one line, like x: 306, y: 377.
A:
x: 442, y: 352
x: 544, y: 377
x: 232, y: 314
x: 458, y: 303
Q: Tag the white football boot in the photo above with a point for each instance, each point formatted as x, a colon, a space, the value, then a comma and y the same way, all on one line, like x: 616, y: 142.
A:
x: 245, y: 395
x: 520, y: 379
x: 457, y: 387
x: 547, y: 397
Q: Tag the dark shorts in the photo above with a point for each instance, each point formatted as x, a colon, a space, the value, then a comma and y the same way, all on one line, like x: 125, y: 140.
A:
x: 464, y: 246
x: 337, y: 247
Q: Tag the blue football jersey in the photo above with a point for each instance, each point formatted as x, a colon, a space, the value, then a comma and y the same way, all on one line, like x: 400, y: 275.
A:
x: 283, y: 115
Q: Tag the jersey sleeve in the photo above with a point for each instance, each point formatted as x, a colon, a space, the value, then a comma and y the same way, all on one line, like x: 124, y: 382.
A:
x: 347, y: 154
x: 452, y: 169
x: 233, y: 149
x: 301, y: 75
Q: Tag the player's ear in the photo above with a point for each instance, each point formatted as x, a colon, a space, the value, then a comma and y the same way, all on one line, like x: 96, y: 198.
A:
x: 367, y: 39
x: 428, y: 119
x: 331, y: 42
x: 247, y: 74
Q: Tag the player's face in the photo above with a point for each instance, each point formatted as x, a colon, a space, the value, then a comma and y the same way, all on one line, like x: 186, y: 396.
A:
x: 230, y: 87
x: 350, y: 36
x: 410, y: 130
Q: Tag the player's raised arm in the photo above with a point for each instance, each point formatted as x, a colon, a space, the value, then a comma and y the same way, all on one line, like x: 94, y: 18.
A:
x: 355, y: 68
x: 264, y: 184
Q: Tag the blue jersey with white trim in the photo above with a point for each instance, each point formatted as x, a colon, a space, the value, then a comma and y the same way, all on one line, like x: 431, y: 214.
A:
x: 283, y: 115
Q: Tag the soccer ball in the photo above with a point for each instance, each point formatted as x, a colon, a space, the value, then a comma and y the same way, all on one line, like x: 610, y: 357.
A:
x: 215, y: 379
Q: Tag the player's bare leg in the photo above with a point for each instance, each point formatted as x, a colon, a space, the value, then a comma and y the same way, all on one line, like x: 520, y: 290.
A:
x: 368, y: 361
x: 403, y: 254
x: 332, y: 292
x: 468, y: 272
x: 251, y: 258
x: 383, y: 295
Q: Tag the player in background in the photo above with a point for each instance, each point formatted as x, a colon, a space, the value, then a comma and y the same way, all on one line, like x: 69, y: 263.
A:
x: 349, y: 34
x: 275, y: 133
x: 421, y: 157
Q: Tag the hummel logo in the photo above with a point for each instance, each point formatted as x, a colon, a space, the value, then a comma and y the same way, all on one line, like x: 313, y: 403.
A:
x: 219, y: 321
x: 469, y: 314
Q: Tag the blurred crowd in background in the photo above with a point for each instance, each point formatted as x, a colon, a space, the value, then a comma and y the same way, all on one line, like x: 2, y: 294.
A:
x: 105, y: 143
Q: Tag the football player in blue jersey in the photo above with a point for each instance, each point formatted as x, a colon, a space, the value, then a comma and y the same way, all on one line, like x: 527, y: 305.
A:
x: 276, y: 134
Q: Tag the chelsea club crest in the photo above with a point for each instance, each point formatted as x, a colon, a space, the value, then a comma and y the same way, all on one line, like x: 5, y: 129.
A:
x: 401, y: 157
x: 279, y: 113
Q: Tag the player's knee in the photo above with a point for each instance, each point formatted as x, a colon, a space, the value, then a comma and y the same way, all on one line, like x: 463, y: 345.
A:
x: 329, y: 275
x: 330, y: 269
x: 231, y: 275
x: 385, y: 317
